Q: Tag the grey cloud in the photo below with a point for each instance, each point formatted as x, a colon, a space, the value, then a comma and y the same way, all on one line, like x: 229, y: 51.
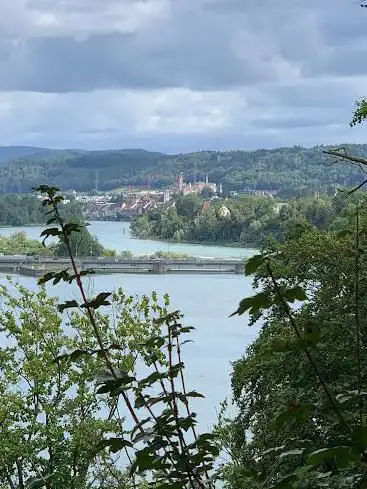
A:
x: 289, y: 70
x: 207, y: 45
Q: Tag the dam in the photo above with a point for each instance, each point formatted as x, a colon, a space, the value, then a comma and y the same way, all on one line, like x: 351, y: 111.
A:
x: 37, y: 266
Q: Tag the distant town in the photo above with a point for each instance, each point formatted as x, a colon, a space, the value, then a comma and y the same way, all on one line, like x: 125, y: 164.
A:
x: 126, y: 203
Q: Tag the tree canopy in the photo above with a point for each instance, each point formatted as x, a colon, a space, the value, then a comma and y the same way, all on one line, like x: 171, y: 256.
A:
x: 293, y: 171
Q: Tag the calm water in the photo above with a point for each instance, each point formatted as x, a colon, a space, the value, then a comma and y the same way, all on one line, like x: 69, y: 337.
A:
x: 116, y: 236
x: 205, y: 300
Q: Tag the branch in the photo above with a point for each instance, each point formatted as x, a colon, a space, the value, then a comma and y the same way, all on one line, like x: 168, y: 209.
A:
x: 20, y: 473
x: 345, y: 156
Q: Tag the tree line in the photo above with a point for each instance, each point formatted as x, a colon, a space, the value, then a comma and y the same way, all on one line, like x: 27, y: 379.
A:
x: 246, y: 221
x: 292, y: 171
x: 26, y: 209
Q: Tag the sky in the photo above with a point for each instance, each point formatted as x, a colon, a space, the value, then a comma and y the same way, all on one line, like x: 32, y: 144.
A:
x: 181, y: 75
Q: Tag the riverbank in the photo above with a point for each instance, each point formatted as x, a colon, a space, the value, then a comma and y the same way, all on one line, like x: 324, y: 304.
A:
x: 225, y: 244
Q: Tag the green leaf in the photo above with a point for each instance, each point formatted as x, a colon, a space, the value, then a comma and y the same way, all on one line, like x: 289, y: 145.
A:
x: 145, y: 460
x: 50, y: 232
x: 254, y: 304
x: 254, y: 263
x: 292, y: 453
x: 341, y: 454
x: 73, y: 356
x: 67, y: 305
x: 151, y: 379
x: 98, y: 301
x: 37, y: 482
x: 46, y: 189
x: 296, y: 412
x: 312, y: 332
x: 113, y: 385
x: 51, y: 220
x: 294, y: 294
x: 281, y: 345
x: 195, y: 394
x: 72, y: 227
x: 287, y: 482
x: 350, y: 396
x: 359, y: 437
x: 114, y: 444
x: 46, y: 278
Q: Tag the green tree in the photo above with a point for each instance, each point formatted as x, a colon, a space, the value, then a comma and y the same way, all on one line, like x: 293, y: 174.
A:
x: 188, y: 205
x: 82, y: 243
x: 285, y: 417
x: 49, y: 412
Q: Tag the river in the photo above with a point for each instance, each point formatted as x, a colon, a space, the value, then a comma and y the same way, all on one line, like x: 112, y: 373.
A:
x: 205, y: 300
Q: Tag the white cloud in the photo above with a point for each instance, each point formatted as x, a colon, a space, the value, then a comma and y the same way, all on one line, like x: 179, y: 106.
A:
x: 180, y: 74
x: 24, y: 19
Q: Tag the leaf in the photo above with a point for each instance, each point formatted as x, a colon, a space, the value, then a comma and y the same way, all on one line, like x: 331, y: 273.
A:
x: 114, y: 444
x: 50, y: 232
x: 341, y: 454
x: 139, y: 426
x: 72, y: 227
x: 295, y: 412
x: 111, y: 384
x: 359, y: 437
x: 51, y: 220
x: 254, y: 263
x: 312, y: 332
x: 145, y: 435
x: 349, y: 396
x: 46, y: 189
x: 187, y: 329
x: 286, y: 482
x: 73, y: 356
x: 254, y: 304
x: 280, y: 345
x: 151, y: 379
x: 98, y: 301
x: 67, y: 305
x: 37, y: 482
x: 46, y: 278
x: 292, y: 453
x: 294, y: 294
x: 195, y: 394
x: 144, y: 461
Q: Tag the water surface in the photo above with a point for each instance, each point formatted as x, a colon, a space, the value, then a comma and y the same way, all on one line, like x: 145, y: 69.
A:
x: 205, y: 300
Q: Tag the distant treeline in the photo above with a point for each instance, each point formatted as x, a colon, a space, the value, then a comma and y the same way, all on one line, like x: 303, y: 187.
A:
x: 26, y: 209
x: 247, y: 221
x: 293, y: 171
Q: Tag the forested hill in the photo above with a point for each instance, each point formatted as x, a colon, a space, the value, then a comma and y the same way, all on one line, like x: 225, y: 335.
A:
x: 293, y: 171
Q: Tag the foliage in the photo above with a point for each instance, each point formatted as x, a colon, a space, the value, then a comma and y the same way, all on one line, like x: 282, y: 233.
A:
x: 82, y: 244
x: 49, y: 410
x: 247, y: 220
x: 25, y: 209
x: 163, y: 443
x: 293, y: 171
x: 171, y: 255
x: 300, y: 387
x: 18, y: 243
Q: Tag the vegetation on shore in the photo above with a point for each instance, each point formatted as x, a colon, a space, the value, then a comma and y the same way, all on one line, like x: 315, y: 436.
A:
x: 246, y: 221
x: 26, y: 209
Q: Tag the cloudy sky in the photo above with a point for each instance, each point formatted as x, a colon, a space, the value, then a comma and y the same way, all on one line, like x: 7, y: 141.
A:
x: 181, y: 75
